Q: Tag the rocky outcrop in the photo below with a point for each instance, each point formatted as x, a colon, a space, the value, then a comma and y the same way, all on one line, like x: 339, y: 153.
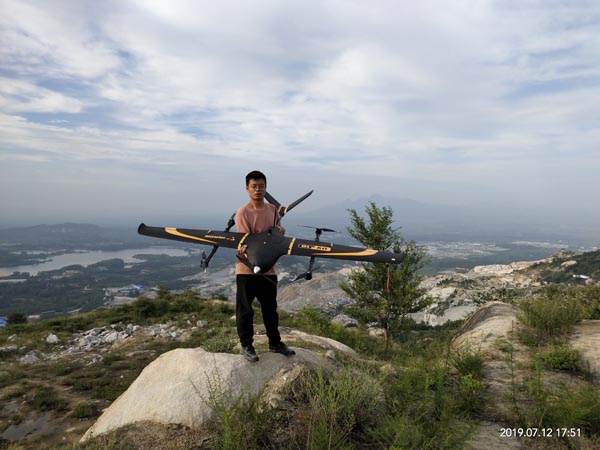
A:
x: 492, y: 332
x: 488, y: 332
x: 585, y: 338
x: 177, y: 387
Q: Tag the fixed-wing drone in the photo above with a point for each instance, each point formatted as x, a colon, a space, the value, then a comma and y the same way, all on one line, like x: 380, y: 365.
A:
x: 264, y: 249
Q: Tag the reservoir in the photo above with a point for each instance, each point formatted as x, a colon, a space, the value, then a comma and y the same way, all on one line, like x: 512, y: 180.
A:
x: 85, y: 258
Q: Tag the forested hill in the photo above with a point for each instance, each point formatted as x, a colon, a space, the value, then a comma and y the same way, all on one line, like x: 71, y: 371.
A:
x: 70, y: 236
x: 568, y: 267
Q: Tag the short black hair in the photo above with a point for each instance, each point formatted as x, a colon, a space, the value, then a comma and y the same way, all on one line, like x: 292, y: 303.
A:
x: 255, y: 175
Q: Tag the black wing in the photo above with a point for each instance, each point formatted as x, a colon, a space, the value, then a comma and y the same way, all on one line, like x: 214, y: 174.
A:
x: 205, y: 237
x: 303, y: 247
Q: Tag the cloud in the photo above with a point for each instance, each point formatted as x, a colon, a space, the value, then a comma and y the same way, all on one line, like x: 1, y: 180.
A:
x: 462, y: 93
x: 17, y: 96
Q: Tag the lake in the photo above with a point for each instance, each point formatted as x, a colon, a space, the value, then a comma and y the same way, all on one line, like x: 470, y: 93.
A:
x: 86, y: 258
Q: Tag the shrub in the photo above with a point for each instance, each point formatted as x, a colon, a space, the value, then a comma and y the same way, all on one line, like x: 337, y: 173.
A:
x: 574, y: 406
x: 84, y: 410
x: 241, y: 422
x: 562, y: 357
x: 469, y: 390
x: 16, y: 318
x: 220, y: 341
x: 550, y: 316
x: 145, y: 307
x: 468, y: 362
x: 330, y: 408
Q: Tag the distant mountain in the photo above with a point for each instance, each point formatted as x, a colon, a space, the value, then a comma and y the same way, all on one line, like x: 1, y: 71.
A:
x: 415, y: 218
x: 430, y: 221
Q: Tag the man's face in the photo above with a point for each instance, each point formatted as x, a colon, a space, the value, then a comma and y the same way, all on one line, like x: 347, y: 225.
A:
x: 256, y: 189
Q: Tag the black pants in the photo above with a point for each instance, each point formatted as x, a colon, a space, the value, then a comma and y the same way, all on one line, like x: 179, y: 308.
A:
x: 264, y: 289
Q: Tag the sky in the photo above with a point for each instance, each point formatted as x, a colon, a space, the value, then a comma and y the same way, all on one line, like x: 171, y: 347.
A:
x: 123, y: 110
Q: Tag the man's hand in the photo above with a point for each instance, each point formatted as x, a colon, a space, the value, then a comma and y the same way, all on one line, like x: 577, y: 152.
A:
x: 280, y: 229
x: 242, y: 251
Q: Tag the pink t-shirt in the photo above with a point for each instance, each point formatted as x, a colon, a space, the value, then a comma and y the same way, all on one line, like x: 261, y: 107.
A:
x: 249, y: 219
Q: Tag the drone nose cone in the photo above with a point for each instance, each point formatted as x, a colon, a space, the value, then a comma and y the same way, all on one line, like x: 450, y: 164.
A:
x: 256, y: 269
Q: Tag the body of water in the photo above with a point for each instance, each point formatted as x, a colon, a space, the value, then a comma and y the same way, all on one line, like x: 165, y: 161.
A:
x: 86, y: 258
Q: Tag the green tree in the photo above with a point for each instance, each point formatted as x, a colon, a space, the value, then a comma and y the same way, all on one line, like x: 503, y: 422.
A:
x: 385, y: 293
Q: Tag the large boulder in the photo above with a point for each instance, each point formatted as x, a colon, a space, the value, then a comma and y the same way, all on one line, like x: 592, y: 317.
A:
x: 489, y: 332
x: 176, y: 387
x: 585, y: 337
x: 492, y: 332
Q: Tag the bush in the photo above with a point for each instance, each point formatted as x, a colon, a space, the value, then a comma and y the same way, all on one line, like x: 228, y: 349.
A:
x: 549, y: 316
x: 468, y: 362
x: 562, y: 357
x: 242, y: 422
x: 219, y: 342
x: 330, y: 408
x: 469, y: 398
x: 16, y: 318
x: 145, y: 307
x: 84, y: 410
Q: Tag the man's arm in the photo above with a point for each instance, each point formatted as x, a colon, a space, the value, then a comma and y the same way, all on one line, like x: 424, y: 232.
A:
x: 242, y: 226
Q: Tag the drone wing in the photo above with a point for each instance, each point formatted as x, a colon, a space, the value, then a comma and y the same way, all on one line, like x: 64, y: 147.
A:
x: 204, y: 237
x: 303, y: 247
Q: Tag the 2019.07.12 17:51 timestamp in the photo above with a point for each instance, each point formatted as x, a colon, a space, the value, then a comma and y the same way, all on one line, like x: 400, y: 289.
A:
x: 539, y: 432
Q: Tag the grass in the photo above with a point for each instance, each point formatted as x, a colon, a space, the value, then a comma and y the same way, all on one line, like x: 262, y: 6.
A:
x: 430, y: 400
x: 562, y: 357
x: 45, y: 398
x: 549, y: 317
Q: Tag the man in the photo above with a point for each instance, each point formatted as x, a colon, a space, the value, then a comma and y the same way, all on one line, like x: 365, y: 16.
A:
x: 255, y: 217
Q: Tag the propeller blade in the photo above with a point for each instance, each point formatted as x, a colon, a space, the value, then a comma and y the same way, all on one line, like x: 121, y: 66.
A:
x: 272, y: 200
x: 282, y: 210
x: 301, y: 199
x: 318, y: 228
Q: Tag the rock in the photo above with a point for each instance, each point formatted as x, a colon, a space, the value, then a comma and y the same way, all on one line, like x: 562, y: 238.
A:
x: 330, y: 354
x: 52, y: 339
x: 568, y: 263
x: 491, y: 321
x: 323, y: 342
x: 450, y: 314
x: 9, y: 349
x: 482, y: 333
x: 30, y: 358
x: 585, y: 338
x: 175, y: 388
x: 389, y: 370
x: 111, y: 337
x: 442, y: 294
x: 345, y: 320
x: 376, y: 332
x: 202, y: 323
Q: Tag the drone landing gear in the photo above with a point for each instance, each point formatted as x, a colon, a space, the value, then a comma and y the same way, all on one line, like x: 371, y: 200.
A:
x: 206, y: 259
x: 308, y: 274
